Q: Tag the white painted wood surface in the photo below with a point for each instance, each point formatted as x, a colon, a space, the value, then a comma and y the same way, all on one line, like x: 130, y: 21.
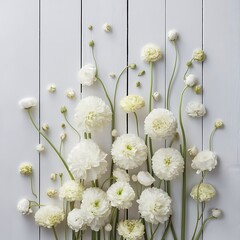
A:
x: 44, y: 42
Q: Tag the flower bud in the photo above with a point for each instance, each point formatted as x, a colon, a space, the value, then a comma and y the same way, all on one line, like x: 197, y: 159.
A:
x: 198, y: 89
x: 107, y: 27
x: 63, y: 109
x: 70, y: 93
x: 219, y: 124
x: 52, y: 193
x: 172, y: 35
x: 108, y: 227
x: 63, y: 136
x: 114, y: 133
x: 216, y: 213
x: 199, y: 55
x: 190, y: 80
x: 45, y: 127
x: 53, y: 176
x: 132, y: 65
x: 193, y: 151
x: 134, y: 178
x: 189, y: 63
x: 90, y: 27
x: 40, y: 147
x: 52, y: 88
x: 138, y: 84
x: 156, y: 96
x: 91, y: 43
x: 26, y: 169
x: 63, y: 125
x: 141, y: 73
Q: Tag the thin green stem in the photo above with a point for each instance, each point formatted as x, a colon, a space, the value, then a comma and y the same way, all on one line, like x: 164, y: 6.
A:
x: 211, y: 139
x: 60, y: 148
x: 185, y: 74
x: 155, y: 232
x: 55, y: 233
x: 31, y: 180
x: 71, y: 126
x: 145, y: 229
x: 173, y: 231
x: 65, y: 229
x: 147, y: 161
x: 184, y: 154
x: 167, y: 228
x: 50, y: 143
x: 151, y: 86
x: 172, y: 76
x: 151, y: 229
x: 203, y: 225
x: 94, y: 59
x: 136, y: 119
x: 108, y: 179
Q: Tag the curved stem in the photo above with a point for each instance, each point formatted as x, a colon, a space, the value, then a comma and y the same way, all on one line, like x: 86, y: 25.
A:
x: 155, y: 232
x: 108, y: 179
x: 173, y: 232
x: 201, y: 229
x: 60, y: 148
x: 151, y: 86
x: 50, y: 143
x: 95, y: 62
x: 211, y: 139
x: 136, y: 119
x: 167, y: 228
x: 55, y: 233
x: 184, y: 154
x: 185, y: 74
x: 73, y: 128
x: 31, y: 180
x: 172, y: 76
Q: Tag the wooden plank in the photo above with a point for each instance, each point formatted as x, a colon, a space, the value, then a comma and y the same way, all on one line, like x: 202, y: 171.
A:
x: 221, y: 84
x: 19, y: 79
x: 60, y: 62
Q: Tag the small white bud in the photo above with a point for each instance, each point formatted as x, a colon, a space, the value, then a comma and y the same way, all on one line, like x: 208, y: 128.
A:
x: 218, y: 124
x: 63, y: 136
x: 156, y: 96
x: 52, y: 193
x: 70, y: 93
x: 114, y: 133
x: 191, y: 80
x: 45, y: 127
x: 40, y: 147
x: 193, y: 151
x: 108, y: 227
x: 53, y: 176
x: 107, y: 27
x: 134, y: 178
x: 52, y: 88
x: 172, y: 35
x: 217, y: 213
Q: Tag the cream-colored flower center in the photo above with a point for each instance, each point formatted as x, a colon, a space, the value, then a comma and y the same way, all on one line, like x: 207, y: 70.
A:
x: 96, y: 204
x: 130, y: 226
x: 91, y: 116
x: 167, y: 161
x: 119, y: 191
x: 129, y: 150
x: 159, y: 124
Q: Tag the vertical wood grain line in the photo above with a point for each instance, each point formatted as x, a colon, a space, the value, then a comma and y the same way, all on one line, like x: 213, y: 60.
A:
x: 127, y: 86
x: 81, y: 43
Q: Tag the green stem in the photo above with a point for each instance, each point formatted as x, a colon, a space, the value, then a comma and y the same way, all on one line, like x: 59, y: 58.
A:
x: 184, y: 154
x: 145, y: 229
x: 147, y: 161
x: 136, y: 119
x: 55, y: 233
x: 151, y: 86
x: 66, y: 213
x: 167, y: 228
x: 50, y: 143
x: 60, y: 148
x: 173, y: 232
x: 211, y: 139
x: 185, y: 74
x: 155, y: 232
x: 31, y: 180
x: 172, y: 76
x: 108, y: 179
x: 203, y: 225
x: 71, y: 126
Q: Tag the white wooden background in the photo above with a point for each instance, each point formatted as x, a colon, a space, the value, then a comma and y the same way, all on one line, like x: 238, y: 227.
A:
x: 46, y: 41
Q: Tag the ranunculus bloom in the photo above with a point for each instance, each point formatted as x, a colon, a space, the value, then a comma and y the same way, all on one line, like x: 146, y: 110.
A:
x: 87, y: 75
x: 191, y: 80
x: 172, y: 35
x: 76, y: 219
x: 145, y: 178
x: 199, y: 55
x: 27, y: 103
x: 132, y: 103
x: 203, y: 193
x: 23, y: 206
x: 151, y: 53
x: 195, y: 109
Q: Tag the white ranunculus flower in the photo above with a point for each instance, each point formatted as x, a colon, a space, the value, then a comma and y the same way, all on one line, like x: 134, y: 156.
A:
x: 108, y: 227
x: 172, y: 35
x: 193, y: 151
x: 195, y: 109
x: 145, y: 178
x: 218, y: 123
x: 167, y: 163
x: 132, y: 103
x: 191, y: 80
x: 204, y: 161
x: 27, y: 103
x: 26, y: 168
x: 49, y: 216
x: 92, y: 114
x: 156, y: 96
x: 160, y: 123
x: 155, y: 205
x: 114, y: 133
x: 52, y: 88
x: 97, y: 207
x: 87, y: 75
x: 107, y: 27
x: 70, y: 93
x: 129, y: 151
x: 24, y: 206
x: 76, y: 219
x: 203, y: 193
x: 121, y: 175
x: 131, y: 229
x: 87, y: 161
x: 40, y: 147
x: 217, y: 213
x: 121, y: 195
x: 71, y: 191
x: 151, y: 53
x: 199, y: 55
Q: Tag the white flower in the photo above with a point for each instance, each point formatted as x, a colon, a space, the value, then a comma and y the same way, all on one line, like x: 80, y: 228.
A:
x: 114, y: 133
x: 107, y: 27
x: 218, y: 124
x: 145, y: 178
x: 26, y: 168
x: 63, y: 136
x: 45, y: 127
x: 87, y: 75
x: 195, y: 109
x: 40, y: 147
x: 160, y: 123
x: 172, y: 35
x: 70, y: 93
x: 193, y: 151
x: 155, y: 205
x: 121, y: 195
x: 87, y: 161
x: 76, y: 219
x: 203, y: 193
x: 156, y: 96
x: 132, y: 103
x: 52, y: 88
x: 97, y: 207
x: 199, y: 55
x: 108, y: 227
x: 191, y: 80
x: 134, y: 178
x: 71, y: 191
x: 204, y: 160
x: 167, y: 163
x: 92, y: 114
x: 52, y: 193
x: 217, y: 213
x: 131, y: 229
x: 24, y: 206
x: 151, y: 53
x: 53, y: 176
x: 121, y: 175
x: 49, y: 216
x: 27, y: 103
x: 129, y: 151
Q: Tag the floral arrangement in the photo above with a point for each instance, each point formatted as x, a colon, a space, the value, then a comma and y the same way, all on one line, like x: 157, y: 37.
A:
x: 92, y: 199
